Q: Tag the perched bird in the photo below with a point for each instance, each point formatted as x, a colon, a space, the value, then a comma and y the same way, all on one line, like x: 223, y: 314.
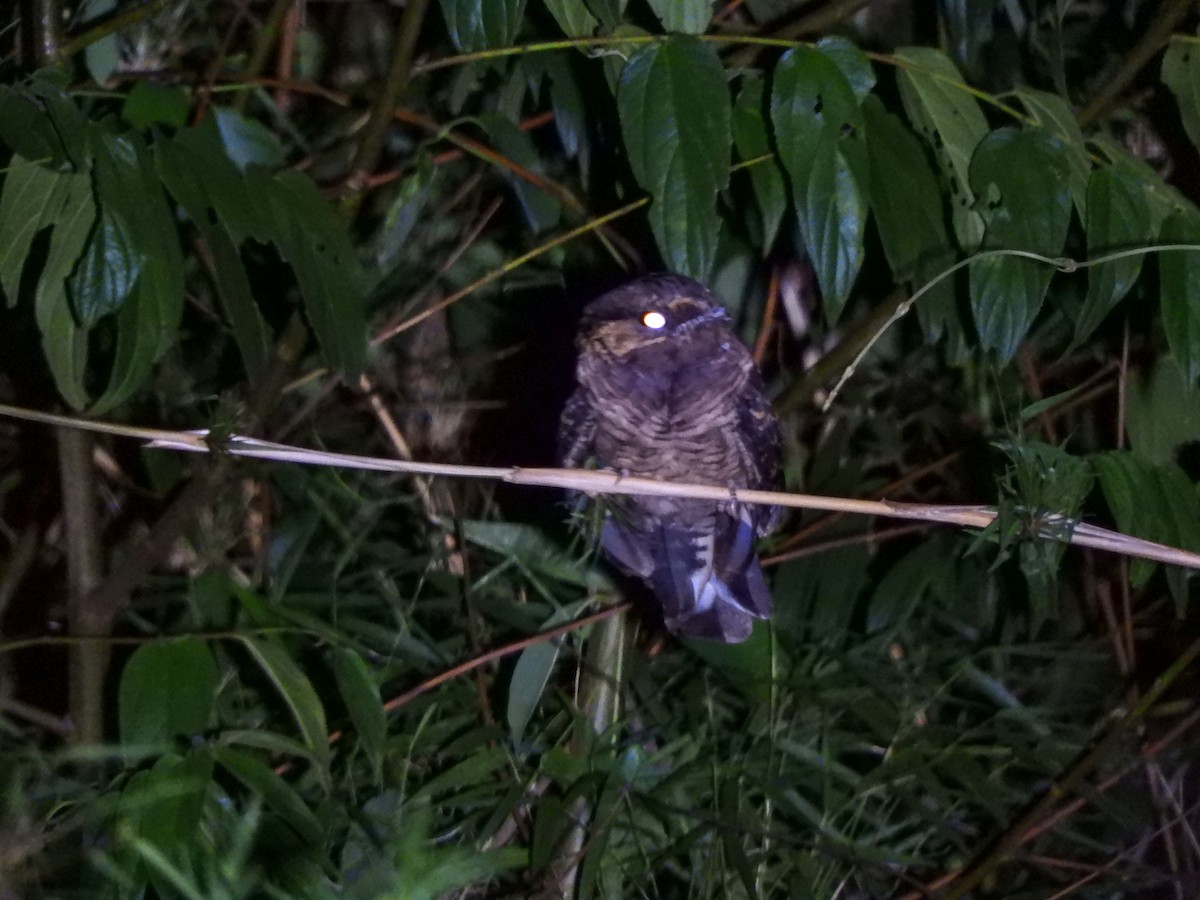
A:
x: 666, y: 390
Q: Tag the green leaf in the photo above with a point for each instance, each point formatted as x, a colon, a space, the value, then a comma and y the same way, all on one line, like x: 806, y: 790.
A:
x: 32, y: 199
x: 1179, y: 287
x: 1181, y: 73
x: 570, y: 108
x: 1154, y: 502
x: 63, y: 341
x: 296, y: 690
x: 533, y: 550
x: 480, y: 24
x: 182, y: 168
x: 944, y: 112
x: 150, y: 103
x: 278, y: 794
x: 819, y: 131
x: 532, y: 672
x: 28, y: 130
x: 1051, y: 112
x: 147, y: 325
x: 167, y: 690
x: 852, y: 63
x: 102, y: 56
x: 1164, y: 412
x: 1022, y: 176
x: 107, y: 271
x: 247, y: 142
x: 683, y: 16
x: 752, y: 141
x: 910, y: 217
x: 163, y: 805
x: 675, y: 119
x: 361, y: 696
x: 315, y: 244
x: 610, y: 12
x: 542, y: 210
x: 1118, y: 217
x: 573, y: 17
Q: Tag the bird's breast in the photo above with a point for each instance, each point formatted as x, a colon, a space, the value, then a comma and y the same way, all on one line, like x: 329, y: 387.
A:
x: 676, y: 422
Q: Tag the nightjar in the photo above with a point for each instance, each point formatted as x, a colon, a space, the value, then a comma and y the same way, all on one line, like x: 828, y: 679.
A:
x: 666, y: 390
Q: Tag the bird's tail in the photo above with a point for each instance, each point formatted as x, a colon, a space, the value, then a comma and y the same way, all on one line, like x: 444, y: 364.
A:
x: 709, y: 582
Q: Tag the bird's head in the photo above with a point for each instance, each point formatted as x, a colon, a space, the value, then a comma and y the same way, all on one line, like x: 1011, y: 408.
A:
x: 652, y: 311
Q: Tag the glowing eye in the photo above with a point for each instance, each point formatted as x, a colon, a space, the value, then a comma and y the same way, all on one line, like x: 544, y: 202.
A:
x: 655, y: 320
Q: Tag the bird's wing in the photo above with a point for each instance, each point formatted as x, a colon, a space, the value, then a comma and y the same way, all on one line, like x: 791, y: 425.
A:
x: 576, y: 431
x: 759, y: 443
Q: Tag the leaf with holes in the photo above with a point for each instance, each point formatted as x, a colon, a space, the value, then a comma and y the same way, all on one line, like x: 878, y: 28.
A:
x: 819, y: 131
x: 1023, y: 178
x: 947, y: 116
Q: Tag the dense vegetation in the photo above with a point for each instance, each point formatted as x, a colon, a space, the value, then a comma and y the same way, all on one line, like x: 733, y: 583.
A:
x: 370, y: 228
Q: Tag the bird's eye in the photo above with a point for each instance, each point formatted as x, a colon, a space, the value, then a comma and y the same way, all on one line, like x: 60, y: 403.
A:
x: 655, y: 320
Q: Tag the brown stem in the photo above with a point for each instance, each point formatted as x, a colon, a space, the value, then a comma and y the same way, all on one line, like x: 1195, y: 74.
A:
x: 370, y: 147
x: 87, y: 615
x: 41, y: 35
x: 263, y: 45
x: 1154, y: 39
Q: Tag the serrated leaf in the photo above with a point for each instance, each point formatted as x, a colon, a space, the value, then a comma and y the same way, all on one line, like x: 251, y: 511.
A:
x: 315, y: 244
x: 1022, y: 177
x: 1181, y: 73
x: 819, y: 131
x: 1051, y: 112
x: 573, y: 17
x: 752, y: 141
x: 675, y: 119
x: 683, y: 16
x: 361, y: 696
x: 295, y: 690
x: 1179, y: 286
x: 910, y: 217
x: 480, y: 24
x: 278, y: 794
x: 167, y: 690
x: 1119, y: 217
x: 945, y: 114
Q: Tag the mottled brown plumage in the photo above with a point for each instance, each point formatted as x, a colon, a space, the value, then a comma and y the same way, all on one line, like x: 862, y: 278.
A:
x: 666, y: 390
